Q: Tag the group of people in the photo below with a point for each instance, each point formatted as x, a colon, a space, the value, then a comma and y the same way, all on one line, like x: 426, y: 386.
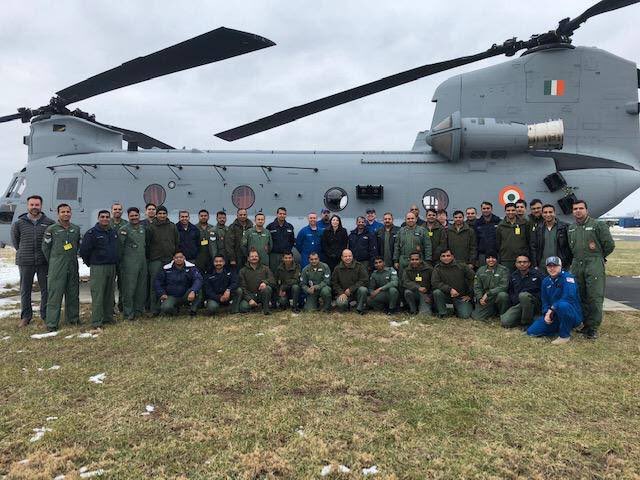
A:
x: 516, y: 268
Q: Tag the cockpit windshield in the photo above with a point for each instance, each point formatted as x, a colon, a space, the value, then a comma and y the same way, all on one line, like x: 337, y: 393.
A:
x: 16, y: 187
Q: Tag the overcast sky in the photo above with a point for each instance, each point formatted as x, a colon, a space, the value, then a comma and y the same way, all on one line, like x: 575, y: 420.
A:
x: 322, y: 47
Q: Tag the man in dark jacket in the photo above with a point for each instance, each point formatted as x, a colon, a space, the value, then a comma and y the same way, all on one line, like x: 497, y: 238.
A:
x: 349, y: 282
x: 485, y: 228
x: 162, y: 242
x: 99, y: 251
x: 550, y: 239
x: 362, y: 243
x: 189, y: 237
x: 386, y: 239
x: 452, y: 283
x: 233, y: 240
x: 524, y: 294
x: 437, y: 235
x: 282, y: 238
x: 221, y: 287
x: 178, y: 283
x: 27, y: 233
x: 462, y: 240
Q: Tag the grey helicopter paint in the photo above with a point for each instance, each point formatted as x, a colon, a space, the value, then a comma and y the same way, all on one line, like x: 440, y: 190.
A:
x: 557, y: 123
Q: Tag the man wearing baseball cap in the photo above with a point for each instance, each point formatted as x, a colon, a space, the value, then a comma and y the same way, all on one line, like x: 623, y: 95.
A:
x: 560, y: 305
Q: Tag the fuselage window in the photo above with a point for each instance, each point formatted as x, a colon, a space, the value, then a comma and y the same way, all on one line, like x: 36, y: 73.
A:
x: 243, y: 197
x: 67, y: 189
x: 336, y: 199
x: 435, y: 198
x: 155, y: 194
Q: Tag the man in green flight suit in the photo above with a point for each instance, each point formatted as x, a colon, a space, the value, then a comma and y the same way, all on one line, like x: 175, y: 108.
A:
x: 348, y: 281
x: 287, y: 277
x: 316, y: 284
x: 437, y: 235
x: 60, y: 247
x: 512, y: 238
x: 452, y: 282
x: 490, y: 289
x: 411, y: 238
x: 416, y: 281
x: 257, y: 283
x: 591, y: 243
x: 207, y: 244
x: 116, y: 223
x: 258, y: 237
x: 132, y: 241
x: 383, y: 287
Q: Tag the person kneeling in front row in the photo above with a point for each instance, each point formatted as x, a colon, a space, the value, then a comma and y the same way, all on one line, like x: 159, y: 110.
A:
x: 221, y: 287
x: 256, y: 282
x: 315, y: 280
x: 560, y: 305
x: 178, y: 283
x: 349, y: 280
x: 452, y: 282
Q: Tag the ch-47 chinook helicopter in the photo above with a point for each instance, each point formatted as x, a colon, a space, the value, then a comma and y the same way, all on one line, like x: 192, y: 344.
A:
x: 558, y: 122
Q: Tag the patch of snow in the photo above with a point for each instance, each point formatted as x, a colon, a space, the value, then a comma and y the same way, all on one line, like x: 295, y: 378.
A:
x: 344, y: 469
x: 372, y: 470
x: 59, y: 477
x: 20, y: 351
x: 54, y: 367
x: 87, y: 335
x: 99, y: 378
x: 48, y: 419
x: 636, y: 276
x: 260, y: 334
x: 24, y: 462
x: 7, y: 337
x: 70, y: 336
x: 94, y: 473
x: 9, y: 313
x: 326, y: 470
x: 149, y: 410
x: 300, y: 431
x: 393, y: 323
x: 44, y: 335
x: 39, y: 433
x: 219, y: 351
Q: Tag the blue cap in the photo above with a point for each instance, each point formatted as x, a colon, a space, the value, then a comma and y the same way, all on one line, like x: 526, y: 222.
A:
x: 553, y: 261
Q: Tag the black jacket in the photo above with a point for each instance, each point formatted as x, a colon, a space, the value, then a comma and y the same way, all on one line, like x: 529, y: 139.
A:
x: 392, y: 242
x: 363, y: 245
x: 282, y: 237
x: 486, y: 234
x: 176, y: 282
x: 99, y: 246
x: 216, y: 283
x: 333, y: 243
x: 562, y: 244
x: 189, y: 240
x: 529, y: 283
x: 27, y: 239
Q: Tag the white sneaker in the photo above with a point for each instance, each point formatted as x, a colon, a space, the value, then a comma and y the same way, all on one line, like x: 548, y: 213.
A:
x: 561, y: 341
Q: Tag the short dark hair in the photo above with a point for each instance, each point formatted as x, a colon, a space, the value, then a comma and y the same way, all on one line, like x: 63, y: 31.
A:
x: 487, y: 203
x: 178, y: 252
x: 287, y: 252
x: 442, y: 210
x: 471, y: 208
x: 458, y: 212
x: 523, y: 254
x: 62, y: 205
x: 432, y: 210
x: 204, y: 210
x: 218, y: 256
x: 221, y: 212
x: 378, y: 257
x: 548, y: 205
x: 104, y: 211
x: 446, y: 250
x: 535, y: 201
x: 133, y: 209
x: 150, y: 205
x: 508, y: 205
x: 312, y: 253
x: 259, y: 214
x: 37, y: 197
x: 281, y: 208
x: 521, y: 201
x: 415, y: 253
x: 580, y: 201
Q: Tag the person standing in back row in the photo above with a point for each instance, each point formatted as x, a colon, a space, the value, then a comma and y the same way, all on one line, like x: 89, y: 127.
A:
x: 386, y: 239
x: 27, y: 234
x: 162, y: 243
x: 437, y: 234
x: 116, y: 223
x: 512, y: 238
x: 282, y: 238
x: 309, y: 239
x: 60, y: 247
x: 334, y: 240
x: 486, y: 227
x: 233, y: 241
x: 591, y: 243
x: 132, y: 242
x: 462, y: 240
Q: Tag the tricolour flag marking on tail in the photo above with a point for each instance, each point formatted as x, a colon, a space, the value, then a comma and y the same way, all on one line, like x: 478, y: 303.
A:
x: 555, y: 88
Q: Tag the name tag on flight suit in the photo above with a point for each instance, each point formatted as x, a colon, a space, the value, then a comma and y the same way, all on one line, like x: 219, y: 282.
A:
x: 204, y: 242
x: 517, y: 230
x: 431, y: 234
x: 418, y: 278
x: 67, y: 246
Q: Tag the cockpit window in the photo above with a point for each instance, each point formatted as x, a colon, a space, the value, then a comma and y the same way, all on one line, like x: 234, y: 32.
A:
x: 444, y: 124
x: 17, y: 187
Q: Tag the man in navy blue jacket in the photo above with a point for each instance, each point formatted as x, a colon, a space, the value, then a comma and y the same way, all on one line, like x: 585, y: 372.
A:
x: 485, y: 228
x: 560, y: 305
x: 282, y: 238
x: 189, y: 236
x: 363, y: 244
x: 99, y: 251
x: 178, y: 283
x: 220, y: 287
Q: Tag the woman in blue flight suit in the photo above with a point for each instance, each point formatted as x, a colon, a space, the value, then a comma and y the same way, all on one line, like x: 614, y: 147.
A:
x: 560, y: 305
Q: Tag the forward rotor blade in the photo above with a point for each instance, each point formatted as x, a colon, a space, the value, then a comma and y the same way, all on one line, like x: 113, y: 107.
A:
x: 603, y: 6
x: 142, y: 139
x: 295, y: 113
x: 8, y: 118
x: 213, y: 46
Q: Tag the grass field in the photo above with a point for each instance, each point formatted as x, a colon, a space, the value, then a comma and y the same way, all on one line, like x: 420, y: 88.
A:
x: 284, y: 396
x: 624, y: 259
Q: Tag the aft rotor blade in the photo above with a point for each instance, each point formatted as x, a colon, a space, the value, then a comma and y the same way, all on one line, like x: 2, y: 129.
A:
x: 295, y: 113
x: 603, y: 6
x: 213, y: 46
x: 142, y: 139
x: 8, y: 118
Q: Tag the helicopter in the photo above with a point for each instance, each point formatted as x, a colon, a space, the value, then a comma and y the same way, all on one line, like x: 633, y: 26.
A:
x: 559, y: 122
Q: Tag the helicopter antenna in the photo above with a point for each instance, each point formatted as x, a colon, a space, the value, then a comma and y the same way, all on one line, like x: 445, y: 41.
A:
x: 561, y: 35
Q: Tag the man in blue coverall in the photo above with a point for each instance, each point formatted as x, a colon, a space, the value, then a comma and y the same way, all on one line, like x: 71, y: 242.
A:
x: 560, y: 305
x: 308, y: 240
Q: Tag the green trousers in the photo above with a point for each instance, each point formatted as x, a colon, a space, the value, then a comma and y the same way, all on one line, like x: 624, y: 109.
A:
x: 360, y: 296
x: 155, y: 266
x: 102, y: 282
x: 119, y: 286
x: 590, y: 275
x: 171, y: 305
x: 521, y: 315
x: 440, y: 299
x: 386, y: 299
x: 417, y: 302
x: 274, y: 261
x: 63, y: 282
x: 291, y: 293
x: 213, y: 306
x: 261, y: 297
x: 133, y: 279
x: 324, y: 294
x: 494, y: 307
